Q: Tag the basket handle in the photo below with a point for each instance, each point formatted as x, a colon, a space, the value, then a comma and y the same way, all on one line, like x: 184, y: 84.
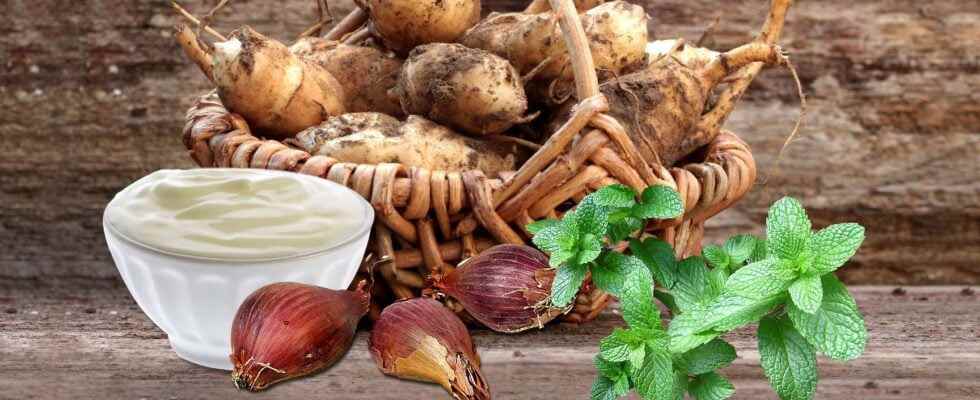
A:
x: 583, y: 67
x: 590, y: 103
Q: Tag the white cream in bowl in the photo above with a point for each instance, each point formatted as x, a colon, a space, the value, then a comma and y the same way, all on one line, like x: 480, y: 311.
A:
x: 192, y: 244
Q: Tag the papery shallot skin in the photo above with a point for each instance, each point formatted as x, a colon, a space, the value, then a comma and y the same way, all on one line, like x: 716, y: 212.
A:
x: 287, y: 330
x: 420, y: 339
x: 506, y: 288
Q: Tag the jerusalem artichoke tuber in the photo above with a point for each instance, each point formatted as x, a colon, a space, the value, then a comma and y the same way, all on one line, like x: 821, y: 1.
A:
x: 277, y: 92
x: 373, y: 138
x: 405, y: 24
x: 366, y: 73
x: 617, y: 33
x: 467, y: 89
x: 661, y: 105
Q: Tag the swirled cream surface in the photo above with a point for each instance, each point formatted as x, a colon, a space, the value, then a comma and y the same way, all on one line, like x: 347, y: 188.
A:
x: 237, y: 214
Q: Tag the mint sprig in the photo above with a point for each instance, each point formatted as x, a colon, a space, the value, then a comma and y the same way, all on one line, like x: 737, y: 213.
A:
x: 784, y: 282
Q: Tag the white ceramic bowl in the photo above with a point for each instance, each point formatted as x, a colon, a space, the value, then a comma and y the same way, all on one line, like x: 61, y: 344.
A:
x: 194, y: 299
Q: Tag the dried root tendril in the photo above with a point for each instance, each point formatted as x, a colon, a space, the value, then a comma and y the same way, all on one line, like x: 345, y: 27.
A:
x: 190, y: 17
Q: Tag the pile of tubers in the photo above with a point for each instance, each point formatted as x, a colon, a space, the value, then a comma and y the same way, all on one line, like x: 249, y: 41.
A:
x: 432, y: 84
x: 428, y: 83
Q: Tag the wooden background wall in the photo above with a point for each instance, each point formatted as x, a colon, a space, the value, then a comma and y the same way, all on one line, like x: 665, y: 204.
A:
x: 92, y: 96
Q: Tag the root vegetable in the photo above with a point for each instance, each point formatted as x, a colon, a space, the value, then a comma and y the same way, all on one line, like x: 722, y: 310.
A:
x: 694, y: 57
x: 373, y: 138
x: 506, y: 288
x: 662, y: 105
x: 287, y: 330
x: 404, y: 24
x: 467, y: 89
x: 617, y: 33
x: 277, y: 92
x: 420, y: 339
x: 366, y: 73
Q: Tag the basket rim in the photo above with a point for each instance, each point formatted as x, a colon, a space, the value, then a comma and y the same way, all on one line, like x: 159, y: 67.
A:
x: 724, y: 136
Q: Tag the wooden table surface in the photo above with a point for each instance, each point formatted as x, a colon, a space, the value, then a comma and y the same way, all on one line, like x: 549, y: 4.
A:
x: 89, y: 340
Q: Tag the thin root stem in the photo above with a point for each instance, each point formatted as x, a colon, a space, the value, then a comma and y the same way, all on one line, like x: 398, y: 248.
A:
x: 194, y: 50
x: 206, y: 21
x: 352, y: 21
x: 678, y: 45
x: 536, y: 70
x: 733, y: 60
x: 190, y: 17
x: 708, y: 32
x: 324, y: 18
x: 358, y: 36
x: 799, y: 92
x: 712, y: 121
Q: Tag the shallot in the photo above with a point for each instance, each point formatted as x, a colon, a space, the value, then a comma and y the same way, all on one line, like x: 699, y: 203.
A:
x: 420, y: 339
x: 287, y: 330
x: 506, y: 288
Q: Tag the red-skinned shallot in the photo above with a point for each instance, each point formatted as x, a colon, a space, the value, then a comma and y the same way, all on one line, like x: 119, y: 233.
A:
x: 287, y: 330
x: 420, y: 339
x: 506, y: 288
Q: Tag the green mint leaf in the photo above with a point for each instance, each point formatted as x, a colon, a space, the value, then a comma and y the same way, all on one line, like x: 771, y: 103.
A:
x: 660, y: 202
x: 687, y: 331
x: 538, y: 226
x: 807, y: 293
x: 569, y: 227
x: 603, y: 389
x: 834, y: 245
x: 761, y: 251
x: 566, y: 241
x: 613, y: 196
x: 680, y: 384
x: 692, y: 288
x: 659, y: 258
x: 688, y: 322
x: 637, y: 301
x: 568, y: 280
x: 685, y: 343
x: 630, y: 346
x: 740, y: 248
x: 622, y: 229
x: 837, y: 328
x: 637, y: 355
x: 591, y: 218
x: 708, y: 357
x: 730, y: 311
x: 787, y: 229
x: 656, y: 379
x: 762, y: 279
x: 616, y: 347
x: 717, y: 279
x: 727, y: 312
x: 787, y: 359
x: 716, y: 256
x: 711, y: 386
x: 547, y: 238
x: 589, y: 249
x: 561, y: 256
x: 622, y: 386
x: 609, y: 273
x: 609, y: 369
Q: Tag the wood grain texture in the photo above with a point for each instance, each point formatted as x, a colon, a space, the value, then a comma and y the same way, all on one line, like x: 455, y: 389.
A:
x: 92, y: 96
x: 89, y: 340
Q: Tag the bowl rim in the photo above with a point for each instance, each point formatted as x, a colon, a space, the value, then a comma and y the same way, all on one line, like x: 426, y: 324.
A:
x: 358, y: 234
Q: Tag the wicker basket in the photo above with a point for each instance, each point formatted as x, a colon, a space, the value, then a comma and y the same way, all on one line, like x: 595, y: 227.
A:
x: 428, y: 220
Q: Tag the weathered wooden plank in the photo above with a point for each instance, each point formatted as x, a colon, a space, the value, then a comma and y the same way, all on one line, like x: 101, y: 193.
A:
x: 89, y: 340
x: 92, y: 96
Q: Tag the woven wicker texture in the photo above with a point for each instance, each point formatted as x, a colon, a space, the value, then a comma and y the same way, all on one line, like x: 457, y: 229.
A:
x: 428, y: 221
